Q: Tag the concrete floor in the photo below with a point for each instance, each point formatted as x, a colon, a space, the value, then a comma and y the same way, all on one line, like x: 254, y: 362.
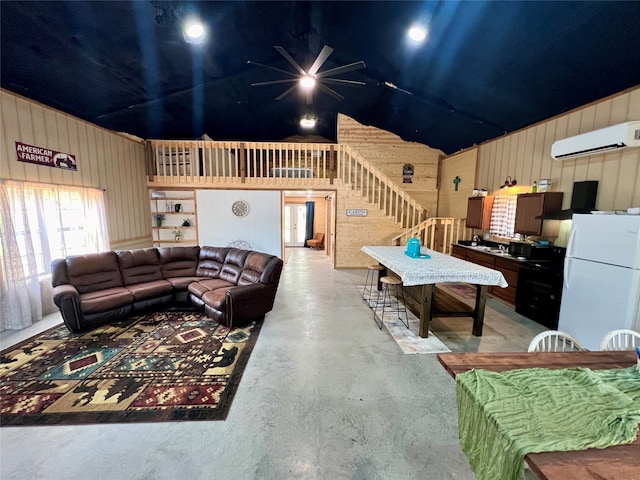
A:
x: 326, y: 395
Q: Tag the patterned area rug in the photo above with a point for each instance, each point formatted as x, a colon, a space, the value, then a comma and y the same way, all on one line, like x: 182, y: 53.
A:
x: 152, y: 368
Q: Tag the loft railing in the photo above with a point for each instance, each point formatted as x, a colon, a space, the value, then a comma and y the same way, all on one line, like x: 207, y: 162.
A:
x: 209, y: 162
x: 279, y: 165
x: 436, y: 233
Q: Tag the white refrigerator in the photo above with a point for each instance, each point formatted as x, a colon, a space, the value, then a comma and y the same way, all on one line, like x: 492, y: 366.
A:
x: 601, y: 288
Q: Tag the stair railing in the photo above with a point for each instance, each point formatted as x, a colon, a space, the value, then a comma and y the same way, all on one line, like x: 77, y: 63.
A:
x: 436, y: 233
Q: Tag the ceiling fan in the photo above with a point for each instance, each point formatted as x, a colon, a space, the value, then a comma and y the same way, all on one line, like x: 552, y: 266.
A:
x: 308, y: 79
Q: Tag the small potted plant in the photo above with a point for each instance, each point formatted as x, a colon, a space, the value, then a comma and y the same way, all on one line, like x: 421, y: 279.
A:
x: 159, y: 219
x: 177, y: 233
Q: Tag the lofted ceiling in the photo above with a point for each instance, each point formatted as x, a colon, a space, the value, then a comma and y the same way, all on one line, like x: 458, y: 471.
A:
x: 485, y: 69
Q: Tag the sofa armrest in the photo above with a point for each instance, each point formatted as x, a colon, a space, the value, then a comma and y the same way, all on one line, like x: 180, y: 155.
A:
x: 249, y: 301
x: 67, y: 298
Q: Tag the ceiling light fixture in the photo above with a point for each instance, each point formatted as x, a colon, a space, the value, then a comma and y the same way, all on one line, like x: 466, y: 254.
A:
x: 509, y: 183
x: 194, y: 32
x: 307, y: 82
x: 308, y: 121
x: 417, y: 33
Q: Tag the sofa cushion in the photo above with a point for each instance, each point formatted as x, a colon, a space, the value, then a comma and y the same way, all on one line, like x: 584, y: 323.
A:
x: 138, y: 266
x: 204, y: 286
x: 181, y: 283
x: 254, y: 266
x: 178, y: 261
x: 146, y: 290
x: 234, y: 262
x: 104, y: 300
x: 217, y: 298
x: 94, y: 271
x: 211, y: 261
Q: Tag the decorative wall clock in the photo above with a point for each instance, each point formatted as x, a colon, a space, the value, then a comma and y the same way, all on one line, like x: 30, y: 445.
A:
x: 240, y: 208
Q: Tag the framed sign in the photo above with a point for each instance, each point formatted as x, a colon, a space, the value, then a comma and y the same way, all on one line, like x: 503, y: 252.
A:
x: 357, y: 212
x: 44, y: 156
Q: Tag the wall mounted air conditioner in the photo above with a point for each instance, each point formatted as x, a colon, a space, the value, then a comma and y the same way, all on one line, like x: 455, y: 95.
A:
x: 610, y: 138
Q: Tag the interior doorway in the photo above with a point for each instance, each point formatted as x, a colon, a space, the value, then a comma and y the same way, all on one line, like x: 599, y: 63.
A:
x: 295, y: 218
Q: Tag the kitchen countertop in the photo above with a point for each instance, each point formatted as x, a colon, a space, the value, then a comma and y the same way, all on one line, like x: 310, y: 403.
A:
x: 495, y: 251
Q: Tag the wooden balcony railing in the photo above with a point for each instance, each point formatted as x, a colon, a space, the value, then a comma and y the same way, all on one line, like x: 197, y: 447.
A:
x: 279, y: 165
x: 436, y: 233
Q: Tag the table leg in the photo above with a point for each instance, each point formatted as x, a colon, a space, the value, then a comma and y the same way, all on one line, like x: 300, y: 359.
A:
x: 478, y: 313
x: 425, y: 309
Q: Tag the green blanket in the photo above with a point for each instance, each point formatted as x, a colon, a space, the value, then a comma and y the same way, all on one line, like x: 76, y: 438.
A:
x: 504, y: 416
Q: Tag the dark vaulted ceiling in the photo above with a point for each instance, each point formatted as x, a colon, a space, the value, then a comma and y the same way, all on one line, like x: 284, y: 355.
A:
x: 485, y: 69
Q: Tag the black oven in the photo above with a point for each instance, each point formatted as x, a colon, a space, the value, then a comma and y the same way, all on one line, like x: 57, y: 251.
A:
x: 540, y: 290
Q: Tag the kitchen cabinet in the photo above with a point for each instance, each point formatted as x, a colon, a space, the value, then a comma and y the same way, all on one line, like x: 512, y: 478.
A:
x: 509, y: 269
x: 171, y: 211
x: 479, y: 212
x: 458, y: 251
x: 508, y: 266
x: 531, y: 206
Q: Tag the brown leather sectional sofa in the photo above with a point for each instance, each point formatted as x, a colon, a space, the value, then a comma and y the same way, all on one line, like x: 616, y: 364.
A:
x: 232, y: 286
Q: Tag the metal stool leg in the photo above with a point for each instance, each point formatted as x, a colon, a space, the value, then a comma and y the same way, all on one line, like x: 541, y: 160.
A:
x: 385, y: 290
x: 400, y: 291
x: 370, y: 283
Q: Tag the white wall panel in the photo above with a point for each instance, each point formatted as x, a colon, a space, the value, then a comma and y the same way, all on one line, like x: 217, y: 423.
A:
x: 261, y: 228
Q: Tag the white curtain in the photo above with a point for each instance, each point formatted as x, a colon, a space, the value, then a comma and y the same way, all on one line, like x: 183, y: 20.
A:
x: 38, y: 223
x: 503, y: 215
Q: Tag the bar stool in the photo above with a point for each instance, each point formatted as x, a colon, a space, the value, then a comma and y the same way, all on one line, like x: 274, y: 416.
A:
x: 395, y: 306
x: 370, y: 282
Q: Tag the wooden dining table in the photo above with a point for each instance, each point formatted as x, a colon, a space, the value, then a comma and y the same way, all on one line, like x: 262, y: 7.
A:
x: 620, y: 462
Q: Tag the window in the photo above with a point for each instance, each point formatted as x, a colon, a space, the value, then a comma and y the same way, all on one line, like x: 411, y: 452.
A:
x: 52, y: 221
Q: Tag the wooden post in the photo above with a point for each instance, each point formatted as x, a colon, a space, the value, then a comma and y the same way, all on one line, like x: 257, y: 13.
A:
x: 478, y: 315
x: 243, y: 163
x: 425, y: 309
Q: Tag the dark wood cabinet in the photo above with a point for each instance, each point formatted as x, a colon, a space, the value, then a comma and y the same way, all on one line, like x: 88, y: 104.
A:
x: 531, y: 206
x: 458, y: 252
x: 509, y: 269
x: 479, y: 212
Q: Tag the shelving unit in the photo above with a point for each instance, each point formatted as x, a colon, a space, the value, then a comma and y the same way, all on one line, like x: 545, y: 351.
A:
x: 165, y: 202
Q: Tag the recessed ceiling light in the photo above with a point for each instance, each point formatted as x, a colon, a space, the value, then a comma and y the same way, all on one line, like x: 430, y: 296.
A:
x: 417, y: 33
x: 308, y: 121
x: 194, y: 32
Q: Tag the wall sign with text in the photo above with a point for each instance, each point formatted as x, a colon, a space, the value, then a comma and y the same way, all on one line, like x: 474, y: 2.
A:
x: 357, y: 212
x: 44, y: 156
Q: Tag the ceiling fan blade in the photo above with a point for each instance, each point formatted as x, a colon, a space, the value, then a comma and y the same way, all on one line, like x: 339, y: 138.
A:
x: 322, y: 57
x: 342, y: 82
x: 285, y: 93
x: 342, y: 69
x: 290, y: 59
x: 274, y: 82
x: 272, y: 68
x: 330, y: 91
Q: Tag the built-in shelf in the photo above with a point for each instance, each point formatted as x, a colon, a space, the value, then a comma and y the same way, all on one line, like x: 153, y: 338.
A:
x: 163, y: 202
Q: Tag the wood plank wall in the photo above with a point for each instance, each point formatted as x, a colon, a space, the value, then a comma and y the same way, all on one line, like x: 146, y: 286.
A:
x: 526, y: 154
x: 452, y: 203
x: 106, y: 160
x: 354, y: 232
x: 389, y: 153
